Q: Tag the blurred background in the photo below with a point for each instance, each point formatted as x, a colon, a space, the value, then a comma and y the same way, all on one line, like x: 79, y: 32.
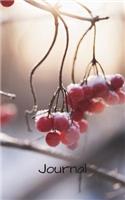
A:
x: 26, y: 33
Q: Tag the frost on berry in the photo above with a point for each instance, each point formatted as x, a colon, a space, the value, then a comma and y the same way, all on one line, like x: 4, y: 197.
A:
x: 88, y: 97
x: 121, y: 95
x: 53, y: 138
x: 75, y: 93
x: 87, y: 92
x: 112, y: 98
x: 71, y: 136
x: 96, y: 106
x: 61, y: 121
x: 99, y: 85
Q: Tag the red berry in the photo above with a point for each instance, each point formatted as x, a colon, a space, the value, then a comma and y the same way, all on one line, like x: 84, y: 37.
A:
x: 7, y: 3
x: 44, y: 123
x: 75, y: 93
x: 121, y: 95
x: 72, y: 103
x: 53, y: 138
x: 96, y: 106
x: 83, y: 105
x: 112, y: 98
x: 61, y: 121
x: 7, y: 112
x: 117, y: 81
x: 77, y: 115
x: 100, y: 89
x: 71, y: 136
x: 83, y: 124
x: 63, y: 138
x: 87, y: 92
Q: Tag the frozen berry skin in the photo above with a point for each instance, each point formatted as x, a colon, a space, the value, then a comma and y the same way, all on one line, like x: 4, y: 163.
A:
x: 75, y: 93
x: 7, y: 3
x: 112, y: 98
x: 53, y: 138
x: 73, y: 104
x: 71, y: 135
x: 77, y: 115
x: 100, y: 90
x: 83, y: 105
x: 96, y: 106
x: 61, y: 121
x: 117, y: 81
x: 121, y: 95
x: 87, y: 92
x: 83, y: 124
x: 44, y: 123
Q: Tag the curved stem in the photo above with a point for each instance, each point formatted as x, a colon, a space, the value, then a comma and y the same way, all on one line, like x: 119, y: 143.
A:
x: 81, y: 39
x: 65, y: 52
x: 44, y: 7
x: 76, y: 53
x: 41, y: 61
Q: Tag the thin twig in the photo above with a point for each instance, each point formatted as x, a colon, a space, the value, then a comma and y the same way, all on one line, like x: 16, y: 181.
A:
x: 45, y: 8
x: 76, y: 53
x: 9, y: 95
x: 43, y: 59
x: 8, y: 141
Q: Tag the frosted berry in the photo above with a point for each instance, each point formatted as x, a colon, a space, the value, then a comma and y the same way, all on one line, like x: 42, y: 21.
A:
x: 117, y: 81
x: 83, y: 124
x: 61, y: 121
x: 53, y: 138
x: 121, y: 95
x: 7, y: 3
x: 96, y: 106
x: 100, y: 89
x: 71, y: 135
x: 83, y: 105
x: 112, y: 98
x: 75, y: 92
x: 44, y: 123
x: 87, y: 92
x: 77, y: 115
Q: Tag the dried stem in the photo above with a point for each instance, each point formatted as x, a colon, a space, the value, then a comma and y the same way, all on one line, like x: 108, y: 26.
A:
x: 8, y: 141
x: 46, y: 8
x: 9, y: 95
x: 94, y: 62
x: 76, y: 53
x: 81, y: 39
x: 43, y: 59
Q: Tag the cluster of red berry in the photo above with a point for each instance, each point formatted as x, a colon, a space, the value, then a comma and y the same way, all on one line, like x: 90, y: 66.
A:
x: 60, y: 128
x: 95, y: 94
x: 6, y: 3
x: 89, y: 97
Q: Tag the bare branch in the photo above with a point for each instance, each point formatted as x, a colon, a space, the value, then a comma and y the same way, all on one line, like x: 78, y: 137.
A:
x: 10, y: 95
x: 46, y: 8
x: 8, y: 141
